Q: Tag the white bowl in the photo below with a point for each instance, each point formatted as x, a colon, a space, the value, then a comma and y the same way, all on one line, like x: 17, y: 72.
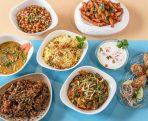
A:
x: 24, y: 4
x: 7, y: 38
x: 35, y: 77
x: 90, y: 29
x: 108, y: 41
x: 49, y: 38
x: 112, y: 89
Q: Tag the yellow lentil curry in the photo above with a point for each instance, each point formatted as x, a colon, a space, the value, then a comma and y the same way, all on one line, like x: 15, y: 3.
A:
x: 12, y: 57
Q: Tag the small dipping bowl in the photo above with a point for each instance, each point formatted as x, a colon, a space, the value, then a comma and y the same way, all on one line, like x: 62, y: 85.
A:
x: 110, y: 56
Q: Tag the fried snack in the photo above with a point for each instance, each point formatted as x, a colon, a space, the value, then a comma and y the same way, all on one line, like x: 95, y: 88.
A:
x: 101, y: 12
x: 146, y: 59
x: 139, y: 82
x: 138, y: 69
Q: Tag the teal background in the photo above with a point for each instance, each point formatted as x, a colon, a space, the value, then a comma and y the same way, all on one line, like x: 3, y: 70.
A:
x: 59, y: 112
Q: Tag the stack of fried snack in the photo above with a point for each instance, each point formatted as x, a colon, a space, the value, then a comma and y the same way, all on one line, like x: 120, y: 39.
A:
x: 141, y: 70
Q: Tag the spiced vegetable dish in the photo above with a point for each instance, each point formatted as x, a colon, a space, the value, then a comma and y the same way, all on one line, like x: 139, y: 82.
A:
x: 88, y: 91
x: 101, y: 12
x: 33, y: 19
x: 24, y: 99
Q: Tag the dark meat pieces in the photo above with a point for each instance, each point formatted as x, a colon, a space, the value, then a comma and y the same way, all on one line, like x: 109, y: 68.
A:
x: 138, y: 69
x: 24, y: 99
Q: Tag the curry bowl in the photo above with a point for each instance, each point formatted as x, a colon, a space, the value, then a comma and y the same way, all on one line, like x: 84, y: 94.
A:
x: 25, y: 54
x: 64, y: 90
x: 36, y: 78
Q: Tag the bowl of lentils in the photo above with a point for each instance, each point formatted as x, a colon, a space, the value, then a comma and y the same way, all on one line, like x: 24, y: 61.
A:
x: 33, y: 17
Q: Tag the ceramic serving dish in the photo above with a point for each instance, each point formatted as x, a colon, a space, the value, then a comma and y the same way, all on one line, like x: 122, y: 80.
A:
x: 49, y: 38
x: 25, y: 3
x: 90, y: 29
x: 112, y: 89
x: 35, y: 77
x: 108, y: 41
x: 7, y: 38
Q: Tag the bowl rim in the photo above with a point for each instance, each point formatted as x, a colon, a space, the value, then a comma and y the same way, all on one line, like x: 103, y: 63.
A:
x: 112, y: 85
x: 49, y: 87
x: 100, y: 31
x: 20, y: 41
x: 53, y: 15
x: 46, y: 40
x: 110, y: 40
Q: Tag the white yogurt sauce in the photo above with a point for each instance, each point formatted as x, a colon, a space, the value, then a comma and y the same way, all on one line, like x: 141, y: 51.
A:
x: 110, y: 56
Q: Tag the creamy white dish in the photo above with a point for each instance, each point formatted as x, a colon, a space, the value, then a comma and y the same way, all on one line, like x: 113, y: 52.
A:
x: 111, y: 56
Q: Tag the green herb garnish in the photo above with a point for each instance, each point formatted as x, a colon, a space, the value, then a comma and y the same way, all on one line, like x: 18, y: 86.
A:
x: 24, y: 56
x: 122, y: 44
x: 7, y: 64
x: 102, y: 7
x: 110, y: 9
x: 81, y: 41
x: 94, y: 9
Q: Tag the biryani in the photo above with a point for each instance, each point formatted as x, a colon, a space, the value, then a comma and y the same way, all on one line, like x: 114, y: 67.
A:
x: 64, y: 51
x: 88, y: 91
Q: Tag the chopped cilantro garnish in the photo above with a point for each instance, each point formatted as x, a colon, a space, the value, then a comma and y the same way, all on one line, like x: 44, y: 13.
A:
x: 122, y: 44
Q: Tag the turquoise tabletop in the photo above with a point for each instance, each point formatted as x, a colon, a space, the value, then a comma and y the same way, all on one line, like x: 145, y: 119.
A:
x: 59, y: 112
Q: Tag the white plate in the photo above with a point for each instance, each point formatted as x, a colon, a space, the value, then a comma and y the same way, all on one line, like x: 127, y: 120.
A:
x: 49, y: 38
x: 7, y: 38
x: 90, y: 29
x: 35, y: 77
x: 25, y: 3
x: 112, y: 89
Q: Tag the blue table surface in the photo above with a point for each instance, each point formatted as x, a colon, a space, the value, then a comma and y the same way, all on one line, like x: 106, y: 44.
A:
x: 59, y: 112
